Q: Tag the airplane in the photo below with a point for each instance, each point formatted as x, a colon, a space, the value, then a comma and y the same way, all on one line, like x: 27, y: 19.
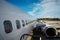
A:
x: 14, y: 23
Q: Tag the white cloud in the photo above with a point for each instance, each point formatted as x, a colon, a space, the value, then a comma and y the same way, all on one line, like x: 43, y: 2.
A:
x: 37, y: 6
x: 49, y: 10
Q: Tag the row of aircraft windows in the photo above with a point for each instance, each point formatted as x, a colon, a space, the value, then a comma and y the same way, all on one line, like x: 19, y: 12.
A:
x: 8, y: 25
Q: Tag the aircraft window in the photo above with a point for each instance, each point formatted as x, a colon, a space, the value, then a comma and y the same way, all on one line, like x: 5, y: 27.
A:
x: 8, y: 26
x: 26, y: 22
x: 18, y: 24
x: 23, y: 24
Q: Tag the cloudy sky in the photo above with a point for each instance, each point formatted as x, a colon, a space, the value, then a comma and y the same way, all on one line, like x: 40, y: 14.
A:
x: 36, y: 9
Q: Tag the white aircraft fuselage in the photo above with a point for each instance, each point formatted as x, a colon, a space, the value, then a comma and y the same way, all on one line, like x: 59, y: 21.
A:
x: 13, y: 22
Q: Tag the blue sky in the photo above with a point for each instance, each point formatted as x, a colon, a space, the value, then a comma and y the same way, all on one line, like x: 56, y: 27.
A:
x: 26, y: 5
x: 34, y: 8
